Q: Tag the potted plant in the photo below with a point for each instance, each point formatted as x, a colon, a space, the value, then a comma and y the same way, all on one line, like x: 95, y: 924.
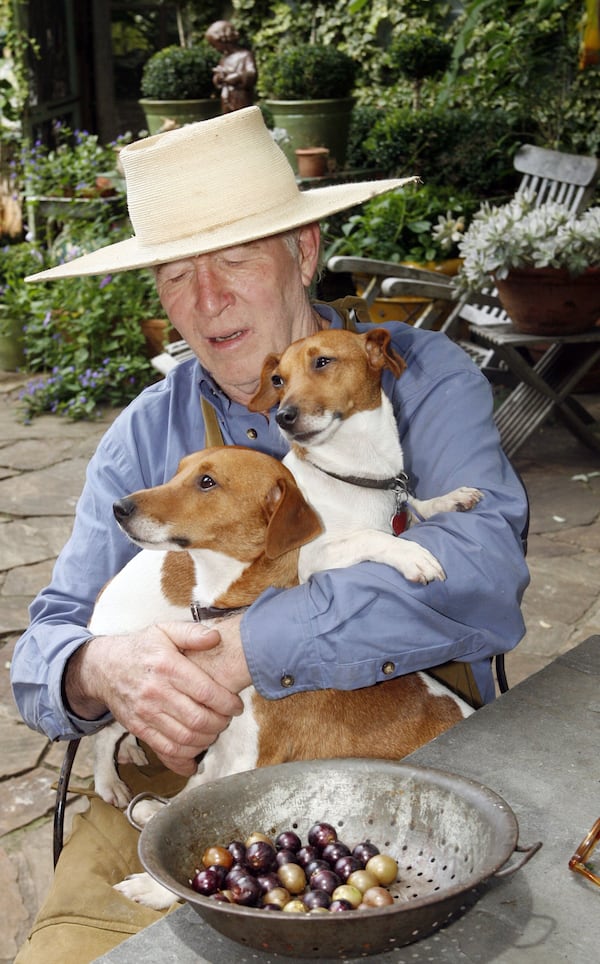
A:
x: 177, y: 86
x: 419, y: 225
x: 544, y: 262
x: 309, y: 97
x: 77, y: 177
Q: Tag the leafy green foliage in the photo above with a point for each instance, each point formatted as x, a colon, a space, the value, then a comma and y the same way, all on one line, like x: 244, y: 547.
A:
x: 310, y: 72
x: 415, y: 223
x: 84, y: 332
x: 78, y: 166
x: 180, y: 73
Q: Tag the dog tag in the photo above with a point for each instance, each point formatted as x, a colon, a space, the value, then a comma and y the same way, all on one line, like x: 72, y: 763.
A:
x: 399, y: 522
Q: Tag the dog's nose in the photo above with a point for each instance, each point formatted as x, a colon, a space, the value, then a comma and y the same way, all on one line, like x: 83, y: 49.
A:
x: 123, y: 509
x: 287, y: 416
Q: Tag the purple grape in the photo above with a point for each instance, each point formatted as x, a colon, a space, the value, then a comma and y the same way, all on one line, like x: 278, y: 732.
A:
x: 238, y: 870
x: 206, y: 882
x: 238, y: 851
x: 340, y: 905
x: 245, y: 890
x: 333, y: 851
x: 324, y: 880
x: 286, y: 857
x: 316, y: 898
x: 315, y: 865
x: 268, y: 881
x: 306, y: 854
x: 260, y: 856
x: 320, y: 834
x: 364, y: 851
x: 288, y: 840
x: 346, y: 866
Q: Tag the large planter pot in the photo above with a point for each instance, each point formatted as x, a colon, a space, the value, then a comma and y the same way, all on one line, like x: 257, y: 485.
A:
x: 164, y: 114
x: 549, y: 301
x: 314, y: 123
x: 12, y: 354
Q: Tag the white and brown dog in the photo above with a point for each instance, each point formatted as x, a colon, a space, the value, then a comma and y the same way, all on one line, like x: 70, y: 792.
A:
x: 345, y: 452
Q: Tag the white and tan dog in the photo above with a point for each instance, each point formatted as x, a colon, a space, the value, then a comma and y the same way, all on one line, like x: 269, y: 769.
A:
x: 345, y: 452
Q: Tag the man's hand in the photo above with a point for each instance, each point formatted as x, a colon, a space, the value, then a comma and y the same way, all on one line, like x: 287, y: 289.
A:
x: 157, y: 684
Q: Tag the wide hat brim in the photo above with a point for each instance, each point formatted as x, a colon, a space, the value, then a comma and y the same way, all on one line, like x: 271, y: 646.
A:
x: 209, y: 186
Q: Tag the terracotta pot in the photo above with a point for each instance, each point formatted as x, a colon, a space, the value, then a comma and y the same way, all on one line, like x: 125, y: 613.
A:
x: 312, y: 161
x: 548, y: 301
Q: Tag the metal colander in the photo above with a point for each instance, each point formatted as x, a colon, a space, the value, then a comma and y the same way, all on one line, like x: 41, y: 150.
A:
x: 447, y: 833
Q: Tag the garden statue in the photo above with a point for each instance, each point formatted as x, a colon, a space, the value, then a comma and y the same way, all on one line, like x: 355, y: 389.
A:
x: 235, y: 74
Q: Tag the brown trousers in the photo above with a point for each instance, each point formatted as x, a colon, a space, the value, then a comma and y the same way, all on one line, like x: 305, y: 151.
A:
x: 82, y: 916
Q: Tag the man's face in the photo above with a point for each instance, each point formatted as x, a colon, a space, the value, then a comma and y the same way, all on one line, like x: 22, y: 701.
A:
x: 235, y: 306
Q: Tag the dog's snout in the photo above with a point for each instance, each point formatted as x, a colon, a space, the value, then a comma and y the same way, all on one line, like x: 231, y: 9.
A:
x: 287, y: 416
x: 123, y: 509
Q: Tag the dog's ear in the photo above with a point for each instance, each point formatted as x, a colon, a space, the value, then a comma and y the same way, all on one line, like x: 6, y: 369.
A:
x: 380, y: 352
x: 267, y: 395
x: 293, y: 522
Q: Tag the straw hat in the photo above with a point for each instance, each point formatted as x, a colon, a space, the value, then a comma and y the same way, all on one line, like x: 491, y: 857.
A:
x: 207, y: 186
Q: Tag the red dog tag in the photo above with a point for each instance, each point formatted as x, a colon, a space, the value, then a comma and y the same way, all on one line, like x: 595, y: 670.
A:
x: 399, y: 522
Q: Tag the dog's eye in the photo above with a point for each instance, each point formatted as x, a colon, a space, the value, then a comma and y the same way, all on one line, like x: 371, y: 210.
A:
x: 322, y: 361
x: 276, y: 381
x: 206, y: 482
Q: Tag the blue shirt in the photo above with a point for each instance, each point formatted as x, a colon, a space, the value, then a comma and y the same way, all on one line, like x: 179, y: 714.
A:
x: 341, y: 627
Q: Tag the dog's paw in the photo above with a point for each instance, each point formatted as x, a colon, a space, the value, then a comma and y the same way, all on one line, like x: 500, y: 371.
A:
x: 143, y: 811
x: 464, y: 498
x: 130, y: 751
x: 113, y: 790
x: 144, y: 890
x: 416, y: 563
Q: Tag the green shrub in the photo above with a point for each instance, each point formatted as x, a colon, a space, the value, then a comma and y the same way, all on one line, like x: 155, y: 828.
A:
x: 467, y: 149
x: 310, y: 72
x: 420, y: 53
x: 180, y: 73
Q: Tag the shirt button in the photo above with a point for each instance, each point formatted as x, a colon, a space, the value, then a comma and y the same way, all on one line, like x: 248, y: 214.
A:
x: 251, y: 433
x: 388, y: 668
x: 287, y: 680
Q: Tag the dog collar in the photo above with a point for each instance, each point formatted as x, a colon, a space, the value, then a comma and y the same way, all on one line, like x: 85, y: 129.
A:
x: 396, y: 483
x: 201, y: 613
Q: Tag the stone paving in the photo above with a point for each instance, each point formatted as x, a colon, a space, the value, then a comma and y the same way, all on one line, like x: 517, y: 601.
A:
x: 42, y: 467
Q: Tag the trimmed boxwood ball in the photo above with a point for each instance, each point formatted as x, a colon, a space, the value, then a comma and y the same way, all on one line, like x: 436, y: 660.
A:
x: 180, y: 73
x: 310, y: 72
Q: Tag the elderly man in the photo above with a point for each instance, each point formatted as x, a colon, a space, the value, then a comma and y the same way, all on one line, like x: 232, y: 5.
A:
x: 234, y: 246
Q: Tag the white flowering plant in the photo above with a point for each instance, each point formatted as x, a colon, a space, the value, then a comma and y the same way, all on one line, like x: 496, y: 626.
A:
x: 521, y: 235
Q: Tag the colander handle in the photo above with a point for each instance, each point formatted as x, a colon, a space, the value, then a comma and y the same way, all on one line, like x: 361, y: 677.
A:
x: 527, y: 851
x: 145, y: 795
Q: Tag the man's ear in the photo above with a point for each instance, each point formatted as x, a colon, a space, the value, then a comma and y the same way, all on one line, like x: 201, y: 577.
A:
x: 309, y: 246
x: 267, y: 395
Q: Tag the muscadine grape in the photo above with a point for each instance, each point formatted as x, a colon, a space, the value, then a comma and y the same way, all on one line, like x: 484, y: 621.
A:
x: 293, y: 877
x: 206, y: 882
x: 383, y: 867
x: 217, y: 855
x: 346, y: 892
x: 260, y: 856
x: 364, y: 851
x: 377, y: 897
x: 320, y: 834
x: 295, y: 907
x: 279, y: 897
x: 363, y: 879
x: 324, y: 880
x: 340, y: 905
x: 346, y: 866
x: 288, y: 840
